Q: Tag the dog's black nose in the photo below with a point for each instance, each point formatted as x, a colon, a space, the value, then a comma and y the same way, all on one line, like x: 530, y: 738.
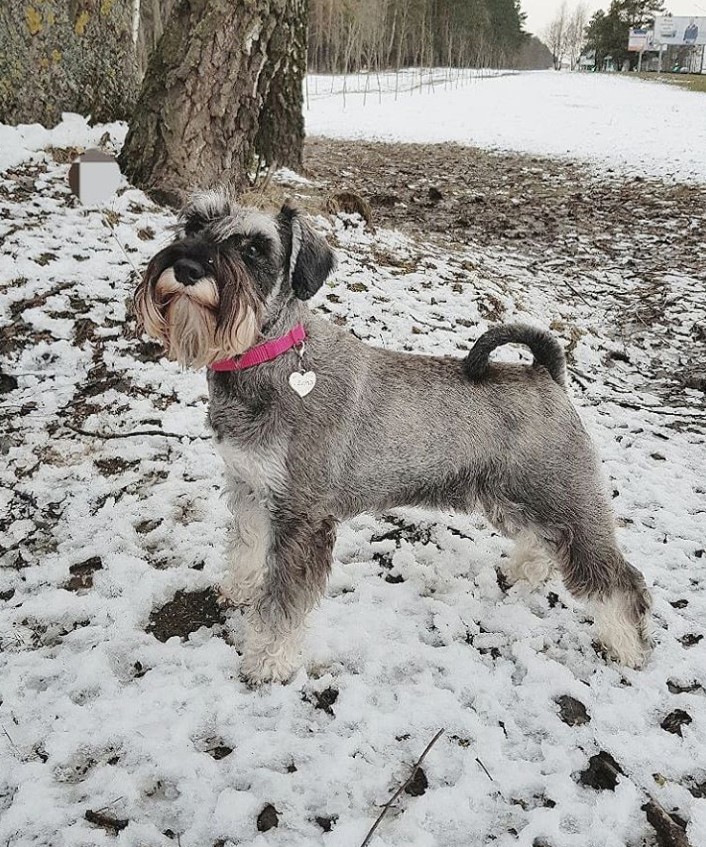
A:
x: 188, y: 272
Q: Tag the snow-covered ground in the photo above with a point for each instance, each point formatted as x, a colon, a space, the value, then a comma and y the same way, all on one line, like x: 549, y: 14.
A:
x: 613, y: 121
x: 111, y: 518
x: 20, y: 143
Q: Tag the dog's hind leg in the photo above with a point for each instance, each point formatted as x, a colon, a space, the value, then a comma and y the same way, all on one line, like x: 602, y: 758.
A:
x: 569, y: 517
x: 298, y: 564
x: 594, y: 569
x: 580, y: 530
x: 532, y: 560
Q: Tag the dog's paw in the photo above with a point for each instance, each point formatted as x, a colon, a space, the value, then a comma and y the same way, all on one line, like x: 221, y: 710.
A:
x: 259, y: 668
x: 268, y: 656
x: 631, y: 654
x: 625, y: 640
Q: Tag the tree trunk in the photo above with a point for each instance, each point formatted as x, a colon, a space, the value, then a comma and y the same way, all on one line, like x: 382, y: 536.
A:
x: 197, y: 116
x: 280, y: 135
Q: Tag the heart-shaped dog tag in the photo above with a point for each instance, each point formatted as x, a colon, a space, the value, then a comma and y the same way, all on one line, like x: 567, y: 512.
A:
x: 302, y: 383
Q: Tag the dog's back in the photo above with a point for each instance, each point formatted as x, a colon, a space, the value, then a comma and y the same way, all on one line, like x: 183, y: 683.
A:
x: 391, y: 428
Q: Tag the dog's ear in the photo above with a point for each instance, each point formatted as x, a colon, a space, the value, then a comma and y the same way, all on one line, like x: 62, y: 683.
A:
x: 308, y: 258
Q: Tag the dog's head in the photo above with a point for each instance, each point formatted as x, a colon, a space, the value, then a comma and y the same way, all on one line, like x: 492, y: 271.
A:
x: 229, y: 272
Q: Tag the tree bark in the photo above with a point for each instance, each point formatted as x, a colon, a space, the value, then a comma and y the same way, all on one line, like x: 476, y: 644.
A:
x: 58, y: 56
x: 198, y: 113
x: 280, y: 136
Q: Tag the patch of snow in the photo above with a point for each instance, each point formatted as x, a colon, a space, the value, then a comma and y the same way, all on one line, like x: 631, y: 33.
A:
x: 286, y: 176
x: 19, y: 143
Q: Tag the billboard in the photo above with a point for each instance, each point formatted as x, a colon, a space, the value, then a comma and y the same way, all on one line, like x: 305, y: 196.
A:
x: 683, y: 31
x: 640, y: 40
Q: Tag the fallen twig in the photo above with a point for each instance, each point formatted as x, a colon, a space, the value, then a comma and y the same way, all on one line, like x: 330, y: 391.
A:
x: 688, y: 412
x: 657, y: 410
x: 579, y: 380
x: 401, y: 788
x: 669, y: 833
x: 103, y: 808
x: 485, y: 769
x: 577, y: 293
x: 107, y: 435
x: 106, y: 821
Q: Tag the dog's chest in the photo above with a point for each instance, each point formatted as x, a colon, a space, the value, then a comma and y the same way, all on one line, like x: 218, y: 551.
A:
x: 262, y: 469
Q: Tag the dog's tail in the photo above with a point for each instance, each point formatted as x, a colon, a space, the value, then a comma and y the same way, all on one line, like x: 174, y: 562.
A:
x: 545, y: 348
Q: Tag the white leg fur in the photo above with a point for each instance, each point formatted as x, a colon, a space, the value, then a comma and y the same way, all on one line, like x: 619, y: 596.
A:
x: 530, y: 561
x: 248, y: 539
x: 618, y: 632
x: 269, y: 656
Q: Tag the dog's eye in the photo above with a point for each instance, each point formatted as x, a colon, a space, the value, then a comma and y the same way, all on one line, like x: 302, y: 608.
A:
x: 252, y: 251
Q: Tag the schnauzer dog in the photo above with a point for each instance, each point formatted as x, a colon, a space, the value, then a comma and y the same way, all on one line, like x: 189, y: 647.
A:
x: 315, y: 427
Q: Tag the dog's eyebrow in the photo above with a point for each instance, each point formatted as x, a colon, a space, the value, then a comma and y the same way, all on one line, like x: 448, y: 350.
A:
x: 247, y: 223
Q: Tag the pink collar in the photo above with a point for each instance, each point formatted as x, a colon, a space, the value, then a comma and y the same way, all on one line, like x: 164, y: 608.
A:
x: 263, y: 352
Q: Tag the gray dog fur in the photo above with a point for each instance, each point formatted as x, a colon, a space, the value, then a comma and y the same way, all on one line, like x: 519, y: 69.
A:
x: 379, y: 430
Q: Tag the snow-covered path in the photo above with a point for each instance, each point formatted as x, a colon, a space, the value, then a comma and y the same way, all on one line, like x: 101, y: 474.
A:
x: 112, y: 527
x: 611, y: 121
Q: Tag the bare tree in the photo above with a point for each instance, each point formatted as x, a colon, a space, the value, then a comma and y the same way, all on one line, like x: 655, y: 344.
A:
x: 352, y: 35
x: 555, y: 36
x: 575, y: 34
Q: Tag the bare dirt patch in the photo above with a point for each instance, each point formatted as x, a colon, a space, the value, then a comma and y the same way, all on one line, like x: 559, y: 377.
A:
x: 186, y: 613
x: 539, y: 204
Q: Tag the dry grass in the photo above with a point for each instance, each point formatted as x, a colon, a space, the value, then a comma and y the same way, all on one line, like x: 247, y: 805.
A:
x: 694, y: 82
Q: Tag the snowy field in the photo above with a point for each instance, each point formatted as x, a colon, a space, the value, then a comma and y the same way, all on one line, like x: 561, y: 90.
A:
x: 123, y: 719
x: 612, y: 121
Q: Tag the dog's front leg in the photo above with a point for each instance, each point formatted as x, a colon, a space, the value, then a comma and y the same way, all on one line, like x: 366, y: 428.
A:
x: 298, y: 564
x: 248, y: 539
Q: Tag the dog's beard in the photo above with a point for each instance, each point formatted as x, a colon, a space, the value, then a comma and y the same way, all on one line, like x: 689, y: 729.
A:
x: 190, y: 320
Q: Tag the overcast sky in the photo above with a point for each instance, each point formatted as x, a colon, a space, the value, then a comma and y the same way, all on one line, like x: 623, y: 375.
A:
x: 541, y: 12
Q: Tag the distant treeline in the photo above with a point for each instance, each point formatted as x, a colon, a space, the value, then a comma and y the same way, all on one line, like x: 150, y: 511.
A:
x: 350, y: 35
x: 82, y: 55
